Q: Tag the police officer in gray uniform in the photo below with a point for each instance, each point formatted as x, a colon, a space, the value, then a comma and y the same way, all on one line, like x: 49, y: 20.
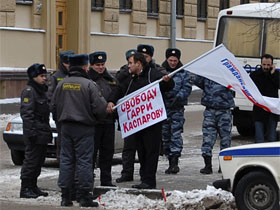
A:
x: 218, y: 101
x: 77, y: 104
x: 175, y: 100
x: 104, y: 138
x: 34, y: 111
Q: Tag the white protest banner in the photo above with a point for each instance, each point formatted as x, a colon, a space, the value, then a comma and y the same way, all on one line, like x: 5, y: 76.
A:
x: 221, y: 66
x: 141, y: 110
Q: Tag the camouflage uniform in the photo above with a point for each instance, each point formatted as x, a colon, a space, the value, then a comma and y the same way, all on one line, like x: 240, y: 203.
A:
x: 175, y: 100
x: 218, y: 101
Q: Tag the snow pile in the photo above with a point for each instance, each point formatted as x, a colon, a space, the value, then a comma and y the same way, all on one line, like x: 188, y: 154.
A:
x: 195, y: 199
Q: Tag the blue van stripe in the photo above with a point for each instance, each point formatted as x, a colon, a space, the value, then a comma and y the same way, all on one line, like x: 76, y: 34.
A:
x: 270, y: 151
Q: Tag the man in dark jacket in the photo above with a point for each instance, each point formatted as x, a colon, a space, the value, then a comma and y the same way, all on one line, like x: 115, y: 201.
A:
x: 129, y: 145
x: 104, y: 138
x: 175, y: 100
x: 34, y: 111
x: 77, y: 104
x: 148, y: 139
x: 267, y: 81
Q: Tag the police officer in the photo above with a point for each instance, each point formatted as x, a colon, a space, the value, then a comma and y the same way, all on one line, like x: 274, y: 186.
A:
x: 129, y: 145
x: 104, y: 138
x: 54, y: 79
x: 61, y: 73
x: 218, y: 101
x: 148, y: 139
x: 34, y: 111
x: 175, y: 100
x: 148, y: 52
x: 77, y: 104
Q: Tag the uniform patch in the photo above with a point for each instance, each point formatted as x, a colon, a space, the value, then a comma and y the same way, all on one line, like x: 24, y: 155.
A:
x: 25, y: 100
x: 59, y: 79
x: 112, y: 83
x: 71, y: 86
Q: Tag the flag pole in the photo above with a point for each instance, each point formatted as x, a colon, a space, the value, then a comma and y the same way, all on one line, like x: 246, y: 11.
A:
x: 170, y: 75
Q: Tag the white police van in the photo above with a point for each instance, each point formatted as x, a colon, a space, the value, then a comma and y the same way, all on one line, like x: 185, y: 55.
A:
x: 252, y: 174
x: 249, y: 31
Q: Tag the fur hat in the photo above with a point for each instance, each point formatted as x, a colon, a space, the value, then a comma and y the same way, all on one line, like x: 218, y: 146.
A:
x: 64, y: 56
x: 129, y: 53
x: 36, y: 69
x: 173, y: 52
x: 145, y: 48
x: 97, y: 57
x: 78, y: 60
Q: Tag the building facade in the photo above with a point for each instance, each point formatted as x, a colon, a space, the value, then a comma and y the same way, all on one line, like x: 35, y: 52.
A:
x: 35, y: 31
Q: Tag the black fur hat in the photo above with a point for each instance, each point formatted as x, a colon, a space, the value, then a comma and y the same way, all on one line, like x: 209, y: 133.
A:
x: 145, y: 48
x: 36, y: 69
x: 129, y: 53
x: 97, y: 57
x: 173, y: 52
x: 64, y: 56
x: 78, y: 60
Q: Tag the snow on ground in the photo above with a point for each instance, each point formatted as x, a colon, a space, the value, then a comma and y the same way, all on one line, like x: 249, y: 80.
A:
x: 120, y: 199
x: 115, y: 199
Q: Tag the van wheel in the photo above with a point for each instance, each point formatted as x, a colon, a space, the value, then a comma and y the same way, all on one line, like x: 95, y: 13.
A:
x: 257, y: 191
x: 17, y: 157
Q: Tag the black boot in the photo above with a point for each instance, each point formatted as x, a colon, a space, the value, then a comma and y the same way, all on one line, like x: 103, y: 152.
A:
x: 86, y: 200
x: 37, y: 190
x: 26, y: 190
x: 208, y: 165
x: 66, y: 197
x: 173, y: 166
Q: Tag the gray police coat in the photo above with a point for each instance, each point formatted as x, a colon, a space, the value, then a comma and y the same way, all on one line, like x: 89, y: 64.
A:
x: 78, y: 99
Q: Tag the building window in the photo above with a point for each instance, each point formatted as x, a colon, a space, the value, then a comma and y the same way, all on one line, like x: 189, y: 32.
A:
x: 97, y: 4
x: 24, y: 2
x: 180, y: 8
x: 202, y: 10
x: 224, y: 4
x: 126, y: 5
x: 152, y: 7
x: 244, y: 1
x: 263, y: 0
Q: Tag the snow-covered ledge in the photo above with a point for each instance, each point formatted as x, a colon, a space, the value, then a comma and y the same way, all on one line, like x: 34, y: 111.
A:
x: 149, y: 37
x: 23, y: 29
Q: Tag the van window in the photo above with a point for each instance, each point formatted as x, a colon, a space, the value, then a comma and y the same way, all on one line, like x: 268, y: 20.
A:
x: 246, y: 37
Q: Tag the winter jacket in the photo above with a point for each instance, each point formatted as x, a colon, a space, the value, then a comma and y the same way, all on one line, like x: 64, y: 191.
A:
x: 78, y: 99
x: 134, y: 82
x: 106, y: 83
x: 268, y: 85
x: 178, y: 96
x: 34, y: 111
x: 214, y: 95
